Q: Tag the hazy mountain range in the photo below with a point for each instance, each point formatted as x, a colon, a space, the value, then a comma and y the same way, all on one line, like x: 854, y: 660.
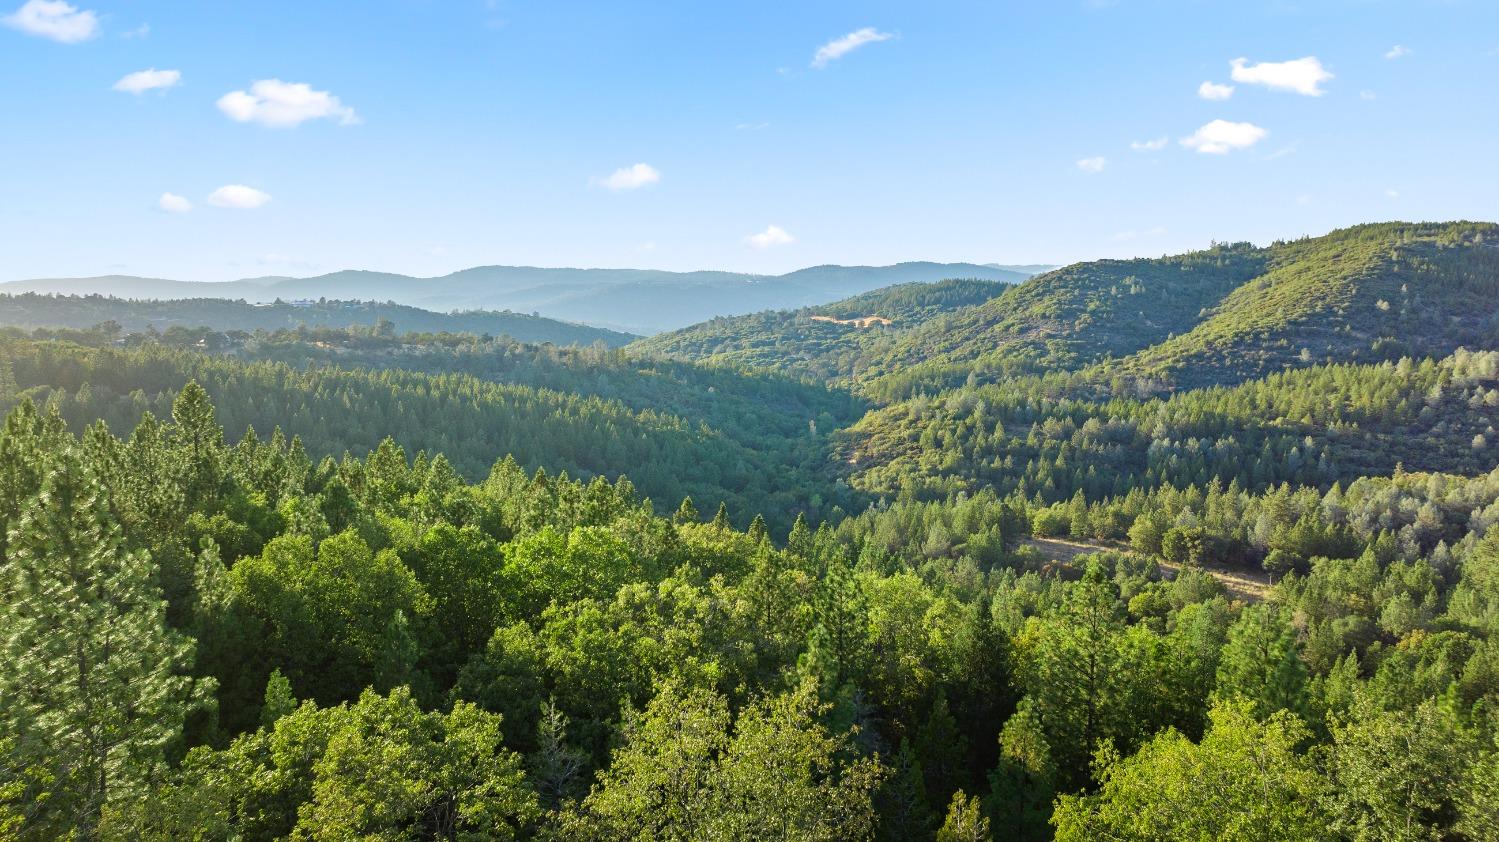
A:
x: 640, y: 301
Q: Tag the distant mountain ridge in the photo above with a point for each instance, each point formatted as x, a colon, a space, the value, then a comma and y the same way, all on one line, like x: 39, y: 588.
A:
x: 642, y: 301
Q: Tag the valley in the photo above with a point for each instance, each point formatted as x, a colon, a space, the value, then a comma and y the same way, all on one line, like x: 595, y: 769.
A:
x: 1245, y: 481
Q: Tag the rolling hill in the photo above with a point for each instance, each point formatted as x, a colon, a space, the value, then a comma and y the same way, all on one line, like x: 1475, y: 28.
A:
x: 820, y: 341
x: 635, y: 300
x: 31, y: 310
x: 1221, y: 315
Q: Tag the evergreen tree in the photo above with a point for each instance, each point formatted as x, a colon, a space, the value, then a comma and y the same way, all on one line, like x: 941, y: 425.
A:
x: 904, y: 811
x: 95, y: 686
x: 965, y: 821
x: 1261, y: 663
x: 199, y: 443
x: 686, y: 513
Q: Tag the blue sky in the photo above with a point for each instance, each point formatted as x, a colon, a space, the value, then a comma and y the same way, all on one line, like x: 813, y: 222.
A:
x: 425, y: 137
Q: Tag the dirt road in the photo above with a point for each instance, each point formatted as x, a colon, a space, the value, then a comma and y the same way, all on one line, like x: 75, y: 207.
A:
x: 1241, y: 584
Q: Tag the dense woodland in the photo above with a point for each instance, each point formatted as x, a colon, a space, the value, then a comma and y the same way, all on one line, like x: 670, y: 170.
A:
x: 221, y: 321
x: 770, y: 578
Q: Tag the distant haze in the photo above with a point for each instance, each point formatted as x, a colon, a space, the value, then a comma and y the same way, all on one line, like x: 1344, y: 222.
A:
x: 640, y: 301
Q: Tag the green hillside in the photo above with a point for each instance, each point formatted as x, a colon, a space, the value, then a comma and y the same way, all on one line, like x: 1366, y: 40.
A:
x: 799, y: 342
x: 32, y: 310
x: 775, y: 467
x: 1370, y: 292
x: 1311, y: 427
x: 1221, y: 315
x: 1090, y: 511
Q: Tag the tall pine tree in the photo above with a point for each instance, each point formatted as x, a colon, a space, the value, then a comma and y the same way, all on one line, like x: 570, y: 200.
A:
x: 96, y: 686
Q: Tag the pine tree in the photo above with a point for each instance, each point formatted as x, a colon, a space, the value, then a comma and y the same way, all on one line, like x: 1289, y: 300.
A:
x: 757, y: 529
x: 686, y: 513
x: 95, y: 686
x: 556, y: 768
x: 799, y: 540
x: 904, y: 813
x: 840, y: 616
x: 1261, y: 664
x: 965, y: 821
x: 199, y: 442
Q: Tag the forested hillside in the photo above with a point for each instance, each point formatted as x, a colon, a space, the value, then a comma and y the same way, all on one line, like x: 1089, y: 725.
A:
x: 772, y: 462
x: 80, y: 312
x: 1222, y: 315
x: 1201, y: 547
x: 1314, y: 426
x: 817, y: 341
x: 239, y: 642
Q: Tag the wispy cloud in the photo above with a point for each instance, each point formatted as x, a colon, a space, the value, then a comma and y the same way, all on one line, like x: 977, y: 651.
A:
x: 239, y: 197
x: 272, y: 102
x: 773, y: 235
x: 147, y: 80
x: 1368, y: 96
x: 1095, y: 164
x: 1215, y: 91
x: 631, y: 178
x: 142, y: 31
x: 172, y: 203
x: 1155, y: 144
x: 840, y: 47
x: 1397, y: 51
x: 54, y: 19
x: 1303, y: 75
x: 1221, y: 137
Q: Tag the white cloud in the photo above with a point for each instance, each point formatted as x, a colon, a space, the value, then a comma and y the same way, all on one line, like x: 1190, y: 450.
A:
x: 1093, y: 165
x: 1397, y: 51
x: 54, y: 19
x: 238, y: 196
x: 172, y: 203
x: 272, y: 102
x: 1392, y: 193
x: 1367, y: 96
x: 145, y: 80
x: 773, y: 235
x: 1215, y: 91
x: 1153, y: 145
x: 1303, y: 75
x: 1221, y: 137
x: 142, y: 31
x: 630, y: 178
x: 840, y: 47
